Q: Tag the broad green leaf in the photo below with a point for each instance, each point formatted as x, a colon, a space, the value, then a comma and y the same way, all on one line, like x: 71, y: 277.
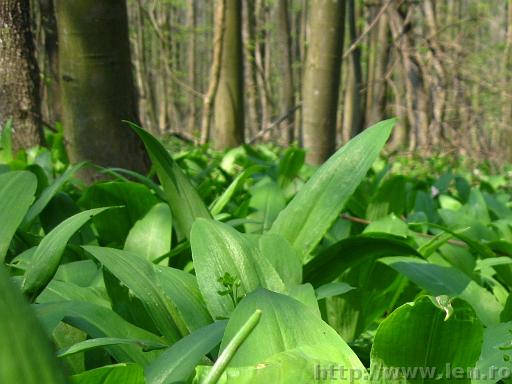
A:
x: 81, y: 273
x: 305, y: 293
x: 217, y: 250
x: 48, y: 254
x: 425, y: 203
x: 499, y: 208
x: 184, y: 292
x: 285, y: 259
x: 106, y: 341
x: 151, y: 236
x: 218, y: 205
x: 378, y: 288
x: 312, y: 211
x: 332, y: 289
x: 291, y: 367
x: 49, y: 193
x: 134, y: 201
x: 177, y: 363
x: 388, y: 224
x: 57, y: 291
x: 61, y: 207
x: 267, y: 200
x: 299, y: 345
x: 185, y: 203
x: 126, y: 304
x: 433, y: 244
x: 492, y: 262
x: 495, y: 359
x: 332, y: 261
x: 64, y: 336
x: 290, y: 165
x: 98, y: 322
x: 417, y: 344
x: 232, y: 347
x: 111, y: 374
x: 448, y: 202
x: 118, y: 173
x: 458, y: 257
x: 285, y: 325
x: 439, y: 280
x: 26, y: 353
x: 16, y: 194
x: 139, y: 276
x: 504, y: 271
x: 389, y: 198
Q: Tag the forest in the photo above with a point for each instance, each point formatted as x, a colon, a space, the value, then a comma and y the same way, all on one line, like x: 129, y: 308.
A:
x: 259, y: 191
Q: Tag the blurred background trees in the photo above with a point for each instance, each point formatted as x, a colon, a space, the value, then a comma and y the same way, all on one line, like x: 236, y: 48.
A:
x: 314, y: 72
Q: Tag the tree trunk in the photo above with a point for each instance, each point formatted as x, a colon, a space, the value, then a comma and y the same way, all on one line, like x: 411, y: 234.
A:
x: 415, y: 97
x: 285, y: 57
x: 97, y: 86
x: 437, y: 75
x: 321, y: 78
x: 377, y: 66
x: 192, y: 52
x: 507, y: 86
x: 49, y: 25
x: 250, y: 70
x: 218, y: 42
x: 355, y: 124
x: 260, y: 10
x: 229, y: 101
x: 19, y: 75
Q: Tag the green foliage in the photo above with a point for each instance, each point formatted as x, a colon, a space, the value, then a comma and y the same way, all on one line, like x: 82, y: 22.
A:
x: 289, y: 272
x: 429, y: 338
x: 25, y: 351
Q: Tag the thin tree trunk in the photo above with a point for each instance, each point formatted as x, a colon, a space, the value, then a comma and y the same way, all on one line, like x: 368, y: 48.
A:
x: 97, y: 86
x: 218, y: 42
x: 146, y: 106
x: 250, y: 71
x: 286, y: 70
x: 49, y: 25
x: 192, y: 52
x: 506, y: 119
x: 19, y: 75
x: 356, y: 117
x: 438, y: 75
x: 377, y: 66
x: 229, y: 100
x: 261, y: 81
x: 415, y: 97
x: 302, y: 25
x: 348, y: 104
x: 321, y: 78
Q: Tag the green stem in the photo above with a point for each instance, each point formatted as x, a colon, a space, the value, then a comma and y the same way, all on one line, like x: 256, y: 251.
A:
x: 230, y: 350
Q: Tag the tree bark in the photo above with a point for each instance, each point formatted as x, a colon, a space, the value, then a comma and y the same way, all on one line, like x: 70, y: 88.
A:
x: 377, y: 65
x: 49, y: 25
x: 229, y: 100
x: 415, y: 97
x: 507, y: 83
x: 96, y: 85
x: 286, y: 69
x: 355, y: 124
x: 218, y: 42
x: 250, y: 70
x: 321, y: 78
x: 19, y: 75
x: 438, y: 75
x: 192, y: 78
